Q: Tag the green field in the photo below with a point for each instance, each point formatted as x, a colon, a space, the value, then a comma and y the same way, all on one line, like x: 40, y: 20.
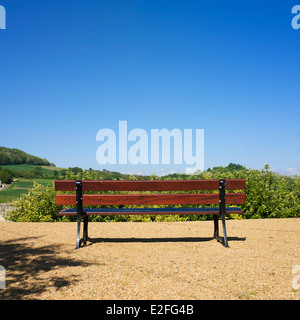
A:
x: 21, y: 186
x: 53, y: 168
x: 28, y: 167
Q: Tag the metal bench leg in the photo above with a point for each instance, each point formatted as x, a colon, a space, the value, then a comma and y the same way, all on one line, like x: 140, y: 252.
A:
x: 83, y: 240
x: 78, y: 233
x: 222, y: 210
x: 224, y: 231
x: 216, y: 224
x: 78, y: 186
x: 85, y: 229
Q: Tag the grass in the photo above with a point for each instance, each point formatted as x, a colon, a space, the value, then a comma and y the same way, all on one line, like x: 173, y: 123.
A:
x: 11, y: 194
x: 21, y: 186
x: 19, y: 167
x: 52, y: 168
x: 28, y: 167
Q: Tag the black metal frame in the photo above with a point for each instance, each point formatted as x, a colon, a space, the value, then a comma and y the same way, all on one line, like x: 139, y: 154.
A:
x: 80, y: 214
x: 222, y: 213
x: 222, y: 210
x: 216, y: 225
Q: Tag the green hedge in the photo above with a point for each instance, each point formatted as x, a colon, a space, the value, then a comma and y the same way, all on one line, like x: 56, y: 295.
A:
x: 268, y: 195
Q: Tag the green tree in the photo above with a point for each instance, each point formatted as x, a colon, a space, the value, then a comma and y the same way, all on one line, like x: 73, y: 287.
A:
x: 38, y: 172
x: 5, y: 176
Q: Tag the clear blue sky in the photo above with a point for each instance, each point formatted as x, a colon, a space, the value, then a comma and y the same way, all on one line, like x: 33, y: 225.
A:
x: 71, y: 68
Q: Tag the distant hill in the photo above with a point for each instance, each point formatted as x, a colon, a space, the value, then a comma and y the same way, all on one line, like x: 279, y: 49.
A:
x: 16, y: 156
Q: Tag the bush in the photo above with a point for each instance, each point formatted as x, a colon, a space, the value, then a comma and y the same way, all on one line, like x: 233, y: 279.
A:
x: 38, y: 205
x: 268, y: 195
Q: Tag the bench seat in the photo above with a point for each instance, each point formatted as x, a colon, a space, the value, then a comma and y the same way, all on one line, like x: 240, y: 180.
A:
x: 144, y: 211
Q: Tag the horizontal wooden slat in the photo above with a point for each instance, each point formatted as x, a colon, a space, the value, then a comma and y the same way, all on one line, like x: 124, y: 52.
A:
x: 150, y: 199
x: 149, y: 185
x: 235, y: 198
x: 235, y: 184
x: 145, y: 211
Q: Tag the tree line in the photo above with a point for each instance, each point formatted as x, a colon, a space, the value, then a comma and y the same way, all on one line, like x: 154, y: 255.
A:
x: 16, y: 156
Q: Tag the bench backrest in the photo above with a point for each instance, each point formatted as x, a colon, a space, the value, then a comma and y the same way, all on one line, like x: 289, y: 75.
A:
x: 149, y: 185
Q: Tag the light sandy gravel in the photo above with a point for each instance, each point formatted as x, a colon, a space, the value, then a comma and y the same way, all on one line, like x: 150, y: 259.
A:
x: 163, y: 260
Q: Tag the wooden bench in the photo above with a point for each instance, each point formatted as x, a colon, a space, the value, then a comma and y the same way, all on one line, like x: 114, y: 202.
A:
x: 79, y: 199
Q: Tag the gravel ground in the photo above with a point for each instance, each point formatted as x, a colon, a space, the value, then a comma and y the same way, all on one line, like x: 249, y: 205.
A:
x: 163, y: 260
